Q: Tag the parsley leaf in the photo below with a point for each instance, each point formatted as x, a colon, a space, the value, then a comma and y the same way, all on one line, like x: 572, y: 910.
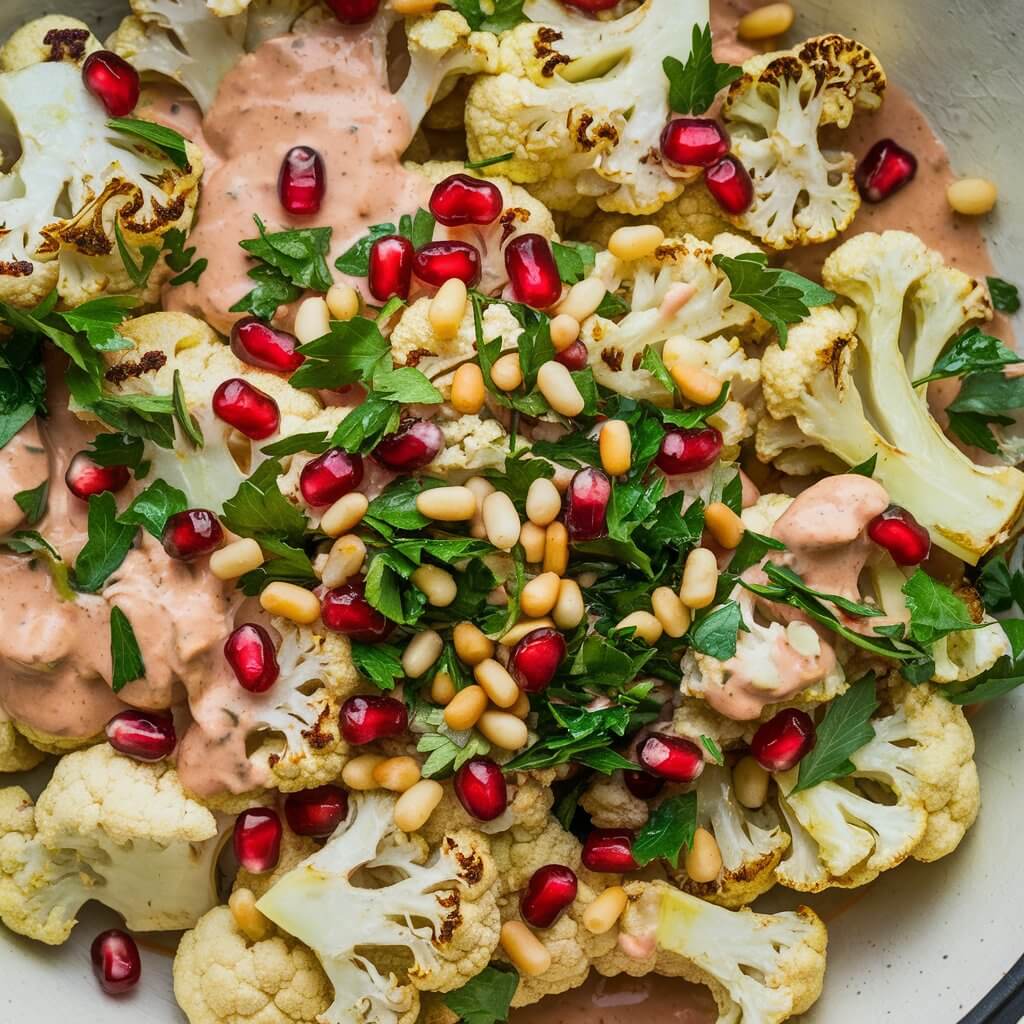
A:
x: 258, y: 507
x: 118, y: 450
x: 189, y: 424
x: 395, y: 507
x: 574, y: 260
x: 693, y: 86
x: 406, y: 385
x: 380, y: 663
x: 181, y: 259
x: 1006, y: 675
x: 479, y: 165
x: 716, y: 632
x: 22, y: 382
x: 272, y: 290
x: 355, y: 260
x: 571, y: 733
x: 108, y: 543
x: 713, y: 749
x: 669, y: 830
x: 573, y: 450
x: 865, y: 468
x: 98, y: 319
x: 419, y: 228
x: 1005, y: 296
x: 935, y: 611
x: 165, y: 139
x: 362, y: 429
x: 351, y: 353
x: 485, y: 998
x: 985, y: 398
x: 972, y: 352
x: 139, y: 272
x: 284, y: 562
x: 153, y: 507
x: 314, y: 442
x: 33, y: 502
x: 504, y: 14
x: 125, y: 656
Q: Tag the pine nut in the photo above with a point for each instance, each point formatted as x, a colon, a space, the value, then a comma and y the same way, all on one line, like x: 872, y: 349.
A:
x: 506, y: 372
x: 421, y: 652
x: 521, y: 628
x: 412, y: 8
x: 601, y: 915
x: 342, y: 301
x: 471, y: 645
x: 703, y: 859
x: 358, y: 773
x: 345, y: 560
x: 803, y: 639
x: 616, y: 446
x: 765, y: 23
x: 531, y: 537
x: 973, y: 197
x: 345, y: 514
x: 442, y: 689
x: 468, y: 390
x: 465, y: 708
x: 251, y: 923
x: 497, y: 683
x: 538, y: 597
x: 696, y: 384
x: 564, y: 330
x: 675, y: 298
x: 724, y: 525
x: 557, y: 386
x: 448, y: 306
x: 480, y: 488
x: 583, y: 299
x: 397, y: 773
x: 236, y: 559
x: 521, y: 708
x: 439, y: 586
x: 527, y: 953
x: 556, y: 549
x: 750, y: 783
x: 291, y: 602
x: 313, y: 320
x: 543, y: 502
x: 504, y: 729
x: 634, y: 243
x: 569, y: 607
x: 700, y: 579
x: 447, y: 504
x: 648, y: 627
x: 414, y: 807
x: 501, y: 521
x: 673, y: 615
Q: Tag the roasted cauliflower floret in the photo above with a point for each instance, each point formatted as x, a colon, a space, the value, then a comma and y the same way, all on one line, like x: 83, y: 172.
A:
x: 55, y: 37
x: 16, y: 753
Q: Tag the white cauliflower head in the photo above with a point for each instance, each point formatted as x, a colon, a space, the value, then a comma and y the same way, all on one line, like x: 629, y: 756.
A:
x: 55, y: 37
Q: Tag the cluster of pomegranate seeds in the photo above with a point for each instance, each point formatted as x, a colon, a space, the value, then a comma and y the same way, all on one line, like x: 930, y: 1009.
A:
x: 532, y: 271
x: 113, y: 81
x: 886, y: 169
x: 586, y: 509
x: 415, y: 444
x: 142, y: 735
x: 353, y: 12
x: 694, y: 141
x: 368, y: 718
x: 643, y: 785
x: 783, y: 741
x: 901, y: 535
x: 302, y: 181
x: 549, y: 891
x: 688, y: 450
x: 480, y: 787
x: 86, y: 478
x: 535, y: 659
x: 269, y: 348
x: 330, y: 476
x: 671, y: 757
x: 316, y: 812
x: 116, y: 961
x: 257, y: 839
x: 729, y: 182
x: 574, y: 357
x: 346, y: 610
x: 250, y: 411
x: 436, y: 262
x: 390, y: 273
x: 609, y: 850
x: 250, y: 653
x: 192, y: 534
x: 460, y: 199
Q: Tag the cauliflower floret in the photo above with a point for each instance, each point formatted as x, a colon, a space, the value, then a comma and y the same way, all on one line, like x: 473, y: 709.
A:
x: 55, y: 37
x: 16, y: 753
x: 611, y: 805
x: 472, y: 444
x: 783, y: 444
x: 774, y: 112
x: 111, y: 829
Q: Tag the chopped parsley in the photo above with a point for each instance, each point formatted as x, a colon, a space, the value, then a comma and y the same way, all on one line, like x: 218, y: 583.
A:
x: 693, y: 86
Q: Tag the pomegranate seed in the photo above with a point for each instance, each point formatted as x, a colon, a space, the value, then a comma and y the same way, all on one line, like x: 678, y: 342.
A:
x: 694, y: 141
x: 251, y: 655
x: 192, y: 533
x: 671, y: 757
x: 302, y: 181
x: 885, y: 170
x: 259, y: 344
x: 688, y: 450
x: 549, y: 891
x: 586, y: 508
x: 643, y: 785
x: 116, y: 961
x: 783, y: 741
x: 353, y: 12
x: 532, y: 271
x: 901, y: 535
x: 390, y: 267
x: 330, y: 476
x: 411, y: 447
x: 535, y: 659
x: 86, y: 478
x: 460, y: 199
x: 257, y: 839
x: 316, y: 812
x: 142, y: 735
x: 730, y: 184
x: 480, y: 787
x: 247, y: 409
x: 113, y: 81
x: 437, y: 262
x: 574, y: 357
x: 345, y: 610
x: 609, y: 850
x: 365, y: 719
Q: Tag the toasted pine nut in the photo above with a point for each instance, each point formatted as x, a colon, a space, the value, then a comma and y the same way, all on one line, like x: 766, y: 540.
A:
x: 442, y: 689
x: 468, y: 390
x: 700, y: 579
x: 358, y: 773
x: 251, y: 923
x: 497, y: 683
x: 648, y: 627
x: 556, y: 549
x: 564, y: 330
x: 448, y: 306
x: 973, y: 197
x: 397, y: 773
x: 421, y: 652
x: 528, y: 954
x: 480, y: 487
x: 345, y: 514
x: 765, y: 22
x: 521, y: 708
x: 439, y: 586
x: 413, y: 7
x: 584, y: 297
x: 673, y: 615
x: 557, y: 386
x: 634, y: 243
x: 504, y: 729
x: 465, y: 708
x: 447, y: 504
x: 313, y: 320
x: 501, y: 521
x: 543, y: 502
x: 569, y: 607
x: 601, y: 915
x: 342, y: 301
x: 675, y: 298
x: 471, y: 645
x: 724, y: 525
x: 616, y: 446
x: 750, y: 783
x: 290, y: 602
x: 696, y: 384
x: 418, y: 803
x: 803, y: 639
x: 346, y: 559
x: 532, y: 539
x: 703, y: 859
x: 506, y: 373
x: 538, y: 597
x: 236, y: 559
x: 524, y: 626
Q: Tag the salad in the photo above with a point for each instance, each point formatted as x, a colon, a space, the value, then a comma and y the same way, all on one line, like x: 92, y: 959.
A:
x: 488, y: 490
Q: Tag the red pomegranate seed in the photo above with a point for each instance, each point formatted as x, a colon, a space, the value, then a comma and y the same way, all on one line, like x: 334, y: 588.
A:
x: 460, y: 199
x: 330, y: 476
x: 345, y: 610
x: 251, y: 655
x: 192, y: 533
x: 259, y: 344
x: 783, y: 741
x: 390, y: 271
x: 885, y: 170
x: 730, y: 184
x: 535, y: 659
x: 302, y: 181
x: 369, y: 718
x: 142, y: 735
x: 574, y: 357
x: 86, y: 478
x: 353, y: 12
x: 901, y: 535
x: 532, y: 271
x: 480, y: 787
x: 688, y: 450
x: 113, y: 81
x: 643, y: 785
x: 316, y: 812
x: 415, y: 444
x: 437, y: 262
x: 116, y: 961
x: 609, y: 850
x: 694, y: 141
x: 671, y: 757
x: 247, y: 409
x: 586, y: 508
x: 549, y: 891
x: 257, y: 840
